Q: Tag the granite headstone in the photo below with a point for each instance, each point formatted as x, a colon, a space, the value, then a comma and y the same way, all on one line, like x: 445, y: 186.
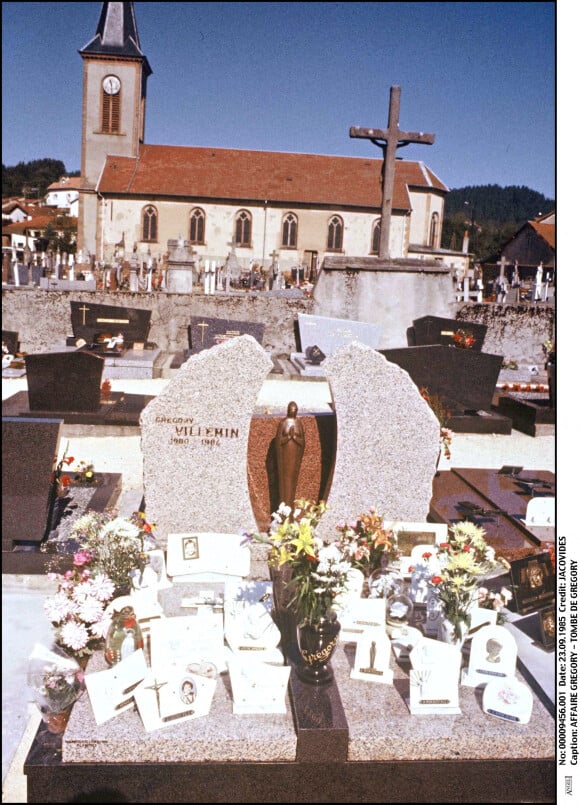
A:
x: 29, y: 447
x: 194, y: 440
x: 64, y: 381
x: 387, y: 440
x: 461, y: 375
x: 205, y: 332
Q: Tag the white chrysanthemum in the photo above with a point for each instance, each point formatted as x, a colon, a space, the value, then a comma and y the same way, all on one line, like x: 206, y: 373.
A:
x: 284, y: 509
x: 74, y: 635
x: 90, y: 610
x: 82, y: 591
x: 58, y: 607
x: 120, y: 529
x: 102, y: 587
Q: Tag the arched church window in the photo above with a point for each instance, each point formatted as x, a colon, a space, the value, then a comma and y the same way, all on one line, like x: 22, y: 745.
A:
x: 434, y: 231
x: 243, y: 228
x: 335, y: 230
x: 149, y: 224
x: 197, y: 226
x: 376, y: 237
x: 290, y: 231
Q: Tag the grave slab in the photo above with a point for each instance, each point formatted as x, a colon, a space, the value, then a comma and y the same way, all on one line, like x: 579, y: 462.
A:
x: 530, y: 413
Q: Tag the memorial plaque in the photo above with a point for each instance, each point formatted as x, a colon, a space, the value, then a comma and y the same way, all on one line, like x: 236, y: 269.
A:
x: 461, y: 375
x: 92, y: 322
x: 330, y: 334
x: 548, y: 626
x: 533, y: 583
x: 29, y: 447
x: 430, y: 330
x: 205, y: 332
x: 64, y: 381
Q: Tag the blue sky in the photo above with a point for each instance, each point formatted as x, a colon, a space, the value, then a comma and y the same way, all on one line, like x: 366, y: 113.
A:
x: 297, y: 76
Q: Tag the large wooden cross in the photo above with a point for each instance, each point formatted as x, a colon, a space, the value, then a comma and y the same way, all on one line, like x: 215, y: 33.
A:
x: 389, y: 140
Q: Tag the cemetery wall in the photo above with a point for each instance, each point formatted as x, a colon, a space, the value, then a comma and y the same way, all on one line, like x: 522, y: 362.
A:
x: 43, y: 318
x: 43, y: 321
x: 515, y: 331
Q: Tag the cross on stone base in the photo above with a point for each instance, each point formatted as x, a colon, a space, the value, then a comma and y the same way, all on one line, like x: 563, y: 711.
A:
x: 389, y: 140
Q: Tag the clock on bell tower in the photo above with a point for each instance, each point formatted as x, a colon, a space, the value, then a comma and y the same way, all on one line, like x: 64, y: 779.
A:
x: 115, y: 73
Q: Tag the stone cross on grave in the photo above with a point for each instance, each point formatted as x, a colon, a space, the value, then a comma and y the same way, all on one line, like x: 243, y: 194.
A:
x: 389, y: 140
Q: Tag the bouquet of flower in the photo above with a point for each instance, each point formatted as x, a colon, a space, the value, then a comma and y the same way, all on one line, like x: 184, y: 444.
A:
x: 318, y: 568
x: 487, y: 599
x: 110, y: 547
x: 368, y: 540
x: 56, y: 680
x: 116, y: 545
x: 464, y: 560
x: 463, y: 339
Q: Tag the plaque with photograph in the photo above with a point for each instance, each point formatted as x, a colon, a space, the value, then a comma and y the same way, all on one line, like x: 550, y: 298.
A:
x: 533, y: 582
x: 548, y: 626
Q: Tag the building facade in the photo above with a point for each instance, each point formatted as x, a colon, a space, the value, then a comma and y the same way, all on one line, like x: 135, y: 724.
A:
x: 290, y: 208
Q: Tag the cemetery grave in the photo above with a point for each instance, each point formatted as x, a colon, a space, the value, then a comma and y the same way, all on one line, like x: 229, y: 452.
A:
x: 119, y: 334
x: 323, y: 334
x: 464, y: 379
x: 69, y: 385
x: 34, y: 518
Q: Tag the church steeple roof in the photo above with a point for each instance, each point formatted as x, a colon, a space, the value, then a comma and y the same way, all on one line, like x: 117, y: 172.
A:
x: 116, y: 34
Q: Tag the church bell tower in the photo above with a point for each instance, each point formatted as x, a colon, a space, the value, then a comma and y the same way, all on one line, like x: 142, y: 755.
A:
x: 115, y: 73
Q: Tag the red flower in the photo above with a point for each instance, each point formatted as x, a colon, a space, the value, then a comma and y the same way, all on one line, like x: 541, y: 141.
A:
x: 69, y: 459
x: 427, y: 555
x: 467, y: 547
x: 64, y: 480
x: 445, y: 545
x: 436, y: 580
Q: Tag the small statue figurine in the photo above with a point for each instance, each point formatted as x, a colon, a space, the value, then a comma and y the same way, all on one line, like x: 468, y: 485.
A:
x: 289, y: 451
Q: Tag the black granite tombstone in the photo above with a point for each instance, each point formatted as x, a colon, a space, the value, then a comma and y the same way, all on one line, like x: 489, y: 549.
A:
x: 205, y: 332
x: 460, y: 375
x: 95, y: 324
x: 64, y: 381
x: 29, y: 448
x: 429, y: 330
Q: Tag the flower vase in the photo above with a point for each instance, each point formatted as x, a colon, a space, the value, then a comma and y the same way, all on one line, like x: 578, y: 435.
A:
x: 316, y: 643
x: 283, y: 615
x: 56, y: 721
x: 451, y: 633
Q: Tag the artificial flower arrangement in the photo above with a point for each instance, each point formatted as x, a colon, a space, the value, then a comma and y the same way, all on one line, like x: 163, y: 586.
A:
x: 464, y: 560
x: 488, y: 599
x: 369, y: 541
x: 60, y: 481
x: 56, y: 681
x: 463, y: 339
x: 110, y: 549
x: 319, y: 568
x: 436, y: 404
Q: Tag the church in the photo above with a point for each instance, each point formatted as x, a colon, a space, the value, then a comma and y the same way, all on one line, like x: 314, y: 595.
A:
x: 294, y: 208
